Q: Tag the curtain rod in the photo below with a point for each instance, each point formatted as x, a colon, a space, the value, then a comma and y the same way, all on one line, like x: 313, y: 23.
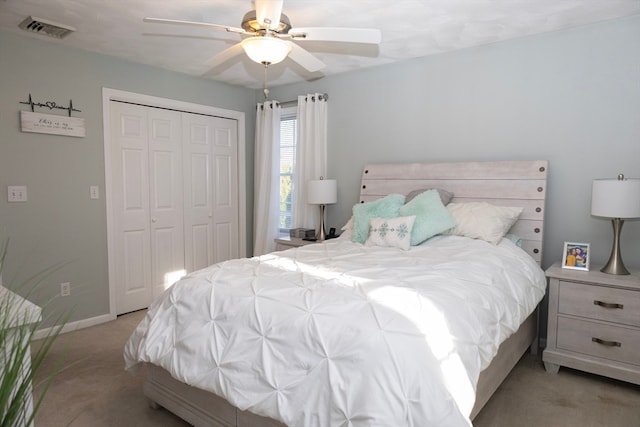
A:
x: 293, y: 102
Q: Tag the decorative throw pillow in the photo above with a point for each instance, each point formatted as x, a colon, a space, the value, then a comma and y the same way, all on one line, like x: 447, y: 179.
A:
x: 432, y: 217
x: 347, y: 230
x: 481, y: 220
x: 393, y: 232
x: 348, y: 225
x: 517, y: 240
x: 445, y: 196
x: 386, y: 207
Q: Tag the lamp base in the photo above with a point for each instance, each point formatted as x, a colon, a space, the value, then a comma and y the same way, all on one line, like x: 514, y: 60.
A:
x: 321, y: 235
x: 615, y: 264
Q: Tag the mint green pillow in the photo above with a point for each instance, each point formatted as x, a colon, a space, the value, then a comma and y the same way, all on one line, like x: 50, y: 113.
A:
x: 387, y: 207
x: 515, y: 239
x: 432, y: 217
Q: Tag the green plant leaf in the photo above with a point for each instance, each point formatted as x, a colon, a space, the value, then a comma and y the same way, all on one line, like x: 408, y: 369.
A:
x: 18, y: 364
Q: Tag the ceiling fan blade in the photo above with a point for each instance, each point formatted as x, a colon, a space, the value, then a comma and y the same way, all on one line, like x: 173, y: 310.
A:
x: 195, y: 24
x: 304, y: 58
x: 268, y: 13
x: 225, y: 55
x: 349, y: 35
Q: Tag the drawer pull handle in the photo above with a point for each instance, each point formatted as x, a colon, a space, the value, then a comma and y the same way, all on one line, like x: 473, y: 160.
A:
x: 607, y: 343
x: 608, y: 304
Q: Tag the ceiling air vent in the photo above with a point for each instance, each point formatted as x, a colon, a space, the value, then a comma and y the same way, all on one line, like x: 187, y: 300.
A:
x: 45, y: 27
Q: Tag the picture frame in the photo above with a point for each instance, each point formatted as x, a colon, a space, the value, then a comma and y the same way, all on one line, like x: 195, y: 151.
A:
x: 576, y: 256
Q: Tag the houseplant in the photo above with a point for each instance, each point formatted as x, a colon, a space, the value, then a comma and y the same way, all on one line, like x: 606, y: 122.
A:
x: 19, y: 321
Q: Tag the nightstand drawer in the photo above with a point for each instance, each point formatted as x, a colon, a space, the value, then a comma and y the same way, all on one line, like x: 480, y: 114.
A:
x: 607, y: 341
x: 599, y: 302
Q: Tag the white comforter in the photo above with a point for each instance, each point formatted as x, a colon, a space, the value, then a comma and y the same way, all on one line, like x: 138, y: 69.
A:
x: 339, y: 334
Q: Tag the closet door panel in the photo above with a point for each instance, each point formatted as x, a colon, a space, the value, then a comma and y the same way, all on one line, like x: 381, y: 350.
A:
x: 200, y: 181
x: 199, y: 212
x: 163, y: 195
x: 166, y: 268
x: 224, y: 250
x: 198, y: 191
x: 134, y: 248
x: 165, y: 198
x: 135, y: 230
x: 211, y: 194
x: 133, y: 183
x: 130, y: 186
x: 225, y: 209
x: 201, y: 253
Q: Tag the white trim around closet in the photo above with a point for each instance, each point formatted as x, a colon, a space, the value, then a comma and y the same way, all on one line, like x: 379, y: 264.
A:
x: 109, y: 95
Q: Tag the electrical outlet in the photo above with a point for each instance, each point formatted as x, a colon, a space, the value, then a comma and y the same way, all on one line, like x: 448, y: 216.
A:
x: 65, y: 289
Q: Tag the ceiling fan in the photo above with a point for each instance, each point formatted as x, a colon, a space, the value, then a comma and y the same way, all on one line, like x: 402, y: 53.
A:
x: 269, y: 37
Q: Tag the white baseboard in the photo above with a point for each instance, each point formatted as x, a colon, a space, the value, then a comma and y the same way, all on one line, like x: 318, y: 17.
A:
x: 74, y: 326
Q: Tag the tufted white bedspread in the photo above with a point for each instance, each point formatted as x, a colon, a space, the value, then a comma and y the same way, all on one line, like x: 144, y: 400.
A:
x: 339, y: 334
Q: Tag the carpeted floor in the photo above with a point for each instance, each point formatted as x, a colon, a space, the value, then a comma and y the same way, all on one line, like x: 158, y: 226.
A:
x: 95, y: 391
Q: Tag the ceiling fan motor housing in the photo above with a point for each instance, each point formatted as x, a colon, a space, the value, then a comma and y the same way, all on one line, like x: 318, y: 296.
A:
x: 250, y: 23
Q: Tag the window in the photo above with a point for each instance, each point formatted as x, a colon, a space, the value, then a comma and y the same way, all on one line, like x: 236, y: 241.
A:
x: 288, y: 139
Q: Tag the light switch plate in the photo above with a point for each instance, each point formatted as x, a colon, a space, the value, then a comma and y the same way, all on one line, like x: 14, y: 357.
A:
x: 17, y: 193
x: 94, y: 192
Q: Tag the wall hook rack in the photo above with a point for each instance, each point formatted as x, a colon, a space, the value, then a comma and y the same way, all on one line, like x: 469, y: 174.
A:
x: 50, y: 105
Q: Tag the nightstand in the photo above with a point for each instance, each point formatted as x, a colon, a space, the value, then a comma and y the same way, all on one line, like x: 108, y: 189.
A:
x: 286, y: 242
x: 594, y: 323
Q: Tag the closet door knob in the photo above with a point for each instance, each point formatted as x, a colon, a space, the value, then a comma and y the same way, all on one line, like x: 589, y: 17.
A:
x: 153, y: 220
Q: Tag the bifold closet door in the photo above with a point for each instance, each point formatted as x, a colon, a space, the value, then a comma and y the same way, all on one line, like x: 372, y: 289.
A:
x: 210, y: 153
x: 146, y: 202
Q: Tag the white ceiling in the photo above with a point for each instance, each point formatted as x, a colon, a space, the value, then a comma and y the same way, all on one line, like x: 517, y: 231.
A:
x: 410, y: 29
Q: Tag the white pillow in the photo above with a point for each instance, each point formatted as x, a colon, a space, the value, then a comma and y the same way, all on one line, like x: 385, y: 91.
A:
x: 348, y: 225
x: 481, y: 220
x: 393, y: 232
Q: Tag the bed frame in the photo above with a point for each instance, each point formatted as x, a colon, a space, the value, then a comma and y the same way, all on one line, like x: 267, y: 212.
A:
x: 503, y: 183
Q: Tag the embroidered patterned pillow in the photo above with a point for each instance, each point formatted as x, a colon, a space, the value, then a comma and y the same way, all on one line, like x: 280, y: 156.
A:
x: 393, y: 232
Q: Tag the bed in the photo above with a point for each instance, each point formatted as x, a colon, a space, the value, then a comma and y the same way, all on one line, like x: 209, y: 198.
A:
x: 375, y: 374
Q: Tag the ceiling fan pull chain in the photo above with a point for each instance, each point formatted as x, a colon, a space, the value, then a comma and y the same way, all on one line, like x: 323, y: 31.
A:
x: 265, y: 90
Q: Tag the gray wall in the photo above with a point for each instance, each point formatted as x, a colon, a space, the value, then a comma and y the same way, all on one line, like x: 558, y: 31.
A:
x: 60, y: 225
x: 570, y: 97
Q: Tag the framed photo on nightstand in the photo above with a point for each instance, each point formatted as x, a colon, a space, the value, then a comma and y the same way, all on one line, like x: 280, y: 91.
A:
x: 576, y: 256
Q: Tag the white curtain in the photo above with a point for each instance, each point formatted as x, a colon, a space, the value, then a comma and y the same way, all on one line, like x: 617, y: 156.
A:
x: 311, y: 155
x: 266, y: 210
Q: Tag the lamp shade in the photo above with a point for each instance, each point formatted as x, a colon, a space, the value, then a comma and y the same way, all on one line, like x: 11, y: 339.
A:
x: 322, y: 191
x: 266, y: 50
x: 616, y: 198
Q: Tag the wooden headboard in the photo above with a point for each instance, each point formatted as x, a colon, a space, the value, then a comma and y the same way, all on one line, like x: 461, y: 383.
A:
x: 502, y: 183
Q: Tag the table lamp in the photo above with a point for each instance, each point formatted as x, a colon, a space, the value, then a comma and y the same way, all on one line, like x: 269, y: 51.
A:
x: 616, y: 199
x: 322, y: 192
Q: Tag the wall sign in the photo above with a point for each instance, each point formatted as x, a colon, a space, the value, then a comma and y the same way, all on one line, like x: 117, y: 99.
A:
x: 52, y: 124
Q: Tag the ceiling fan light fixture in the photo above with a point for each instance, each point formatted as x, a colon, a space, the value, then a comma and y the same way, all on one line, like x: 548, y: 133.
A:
x: 266, y: 50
